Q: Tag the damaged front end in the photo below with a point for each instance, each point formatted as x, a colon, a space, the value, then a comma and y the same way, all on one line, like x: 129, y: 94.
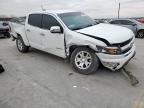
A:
x: 118, y: 58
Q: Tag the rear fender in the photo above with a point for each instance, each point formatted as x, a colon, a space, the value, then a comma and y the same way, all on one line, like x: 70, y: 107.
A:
x: 24, y: 37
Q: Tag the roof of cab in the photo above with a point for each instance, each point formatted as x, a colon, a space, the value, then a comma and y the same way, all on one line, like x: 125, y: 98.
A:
x: 53, y: 11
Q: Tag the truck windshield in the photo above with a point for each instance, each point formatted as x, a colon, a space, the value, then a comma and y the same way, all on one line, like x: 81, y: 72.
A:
x: 76, y: 20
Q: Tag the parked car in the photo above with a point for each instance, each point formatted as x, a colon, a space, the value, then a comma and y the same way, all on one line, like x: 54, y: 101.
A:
x: 141, y: 20
x: 4, y: 28
x: 135, y: 26
x: 75, y: 36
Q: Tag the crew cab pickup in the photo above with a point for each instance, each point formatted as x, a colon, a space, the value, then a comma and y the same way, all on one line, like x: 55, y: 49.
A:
x: 75, y: 36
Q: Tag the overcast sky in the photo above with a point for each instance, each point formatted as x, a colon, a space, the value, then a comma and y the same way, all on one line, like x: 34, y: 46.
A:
x: 94, y: 8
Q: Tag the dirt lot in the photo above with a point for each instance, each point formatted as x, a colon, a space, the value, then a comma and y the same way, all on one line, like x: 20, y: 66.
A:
x: 40, y: 80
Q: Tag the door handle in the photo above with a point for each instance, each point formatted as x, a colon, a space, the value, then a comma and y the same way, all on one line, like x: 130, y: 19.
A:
x: 42, y: 34
x: 28, y: 30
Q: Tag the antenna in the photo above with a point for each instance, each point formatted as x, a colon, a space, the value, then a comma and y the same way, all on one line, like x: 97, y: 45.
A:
x: 42, y: 8
x: 119, y: 10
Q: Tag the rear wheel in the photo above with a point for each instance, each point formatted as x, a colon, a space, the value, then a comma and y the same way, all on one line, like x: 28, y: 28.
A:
x: 84, y: 61
x: 140, y: 34
x: 21, y: 46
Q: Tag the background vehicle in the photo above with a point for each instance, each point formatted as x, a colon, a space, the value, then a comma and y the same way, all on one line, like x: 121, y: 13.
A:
x: 75, y: 36
x: 141, y: 20
x: 4, y: 28
x: 135, y: 26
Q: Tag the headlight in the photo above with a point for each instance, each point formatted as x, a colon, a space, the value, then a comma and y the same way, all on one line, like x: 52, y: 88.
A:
x: 109, y: 50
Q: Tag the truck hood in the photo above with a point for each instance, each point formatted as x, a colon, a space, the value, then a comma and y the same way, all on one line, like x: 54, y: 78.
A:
x: 113, y: 34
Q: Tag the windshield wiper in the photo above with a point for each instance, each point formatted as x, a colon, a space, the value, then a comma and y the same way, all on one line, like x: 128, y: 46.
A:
x: 90, y: 25
x: 78, y: 28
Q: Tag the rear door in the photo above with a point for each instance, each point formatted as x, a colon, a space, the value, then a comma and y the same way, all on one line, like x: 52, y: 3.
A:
x: 33, y: 30
x: 125, y: 23
x: 129, y: 24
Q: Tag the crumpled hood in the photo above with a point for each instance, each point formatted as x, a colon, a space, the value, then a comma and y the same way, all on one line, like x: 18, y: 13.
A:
x: 111, y: 33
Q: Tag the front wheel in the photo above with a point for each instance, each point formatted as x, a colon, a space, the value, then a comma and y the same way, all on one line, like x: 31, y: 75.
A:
x: 140, y: 34
x: 21, y: 46
x: 84, y: 61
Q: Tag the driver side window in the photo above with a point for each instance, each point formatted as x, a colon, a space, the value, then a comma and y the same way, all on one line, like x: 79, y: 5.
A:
x: 48, y: 21
x: 127, y: 22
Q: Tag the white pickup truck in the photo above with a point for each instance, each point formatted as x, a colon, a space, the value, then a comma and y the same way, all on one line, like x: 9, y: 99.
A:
x: 75, y: 36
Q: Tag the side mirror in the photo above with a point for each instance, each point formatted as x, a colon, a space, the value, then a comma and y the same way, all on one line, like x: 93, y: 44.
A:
x: 55, y: 29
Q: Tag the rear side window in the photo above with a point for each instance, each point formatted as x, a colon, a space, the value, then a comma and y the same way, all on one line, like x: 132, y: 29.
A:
x: 116, y: 22
x: 48, y: 21
x: 122, y: 22
x: 35, y: 20
x: 126, y: 22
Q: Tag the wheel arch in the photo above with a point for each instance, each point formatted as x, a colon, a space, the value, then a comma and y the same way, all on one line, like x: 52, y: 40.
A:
x: 138, y: 33
x: 25, y: 40
x: 140, y: 30
x: 73, y: 47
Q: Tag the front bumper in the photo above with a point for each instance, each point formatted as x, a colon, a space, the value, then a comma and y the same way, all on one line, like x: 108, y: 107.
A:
x: 116, y: 62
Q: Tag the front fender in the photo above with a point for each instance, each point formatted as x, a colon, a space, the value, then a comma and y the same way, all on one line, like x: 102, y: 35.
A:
x: 76, y: 39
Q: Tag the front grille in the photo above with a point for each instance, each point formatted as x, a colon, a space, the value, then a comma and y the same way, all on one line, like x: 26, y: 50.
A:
x: 126, y: 50
x: 123, y: 43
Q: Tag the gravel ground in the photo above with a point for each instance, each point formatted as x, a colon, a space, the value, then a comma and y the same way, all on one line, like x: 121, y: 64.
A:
x: 40, y: 80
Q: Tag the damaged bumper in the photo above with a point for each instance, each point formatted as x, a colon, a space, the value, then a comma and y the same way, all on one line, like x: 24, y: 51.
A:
x: 116, y: 62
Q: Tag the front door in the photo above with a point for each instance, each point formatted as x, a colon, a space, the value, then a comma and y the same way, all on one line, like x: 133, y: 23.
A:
x: 52, y: 42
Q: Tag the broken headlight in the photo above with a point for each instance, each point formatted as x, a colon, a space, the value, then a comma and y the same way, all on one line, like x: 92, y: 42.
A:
x: 109, y: 50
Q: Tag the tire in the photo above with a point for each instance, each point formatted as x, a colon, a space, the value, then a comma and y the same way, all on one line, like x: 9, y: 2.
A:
x: 84, y: 61
x: 21, y: 46
x: 7, y: 35
x: 140, y: 34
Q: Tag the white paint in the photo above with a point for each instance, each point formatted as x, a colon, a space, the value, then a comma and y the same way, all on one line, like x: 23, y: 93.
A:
x: 54, y: 42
